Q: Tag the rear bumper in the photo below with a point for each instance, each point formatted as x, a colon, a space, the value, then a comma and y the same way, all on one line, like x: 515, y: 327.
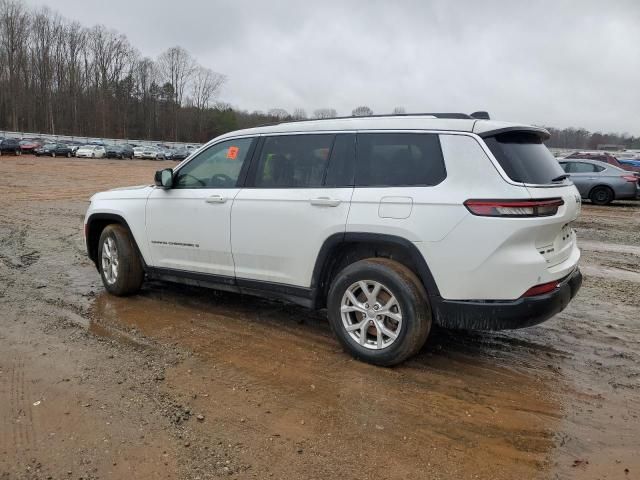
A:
x: 501, y: 315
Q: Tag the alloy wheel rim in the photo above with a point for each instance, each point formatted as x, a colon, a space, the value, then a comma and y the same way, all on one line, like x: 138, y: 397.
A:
x: 110, y: 261
x: 371, y: 314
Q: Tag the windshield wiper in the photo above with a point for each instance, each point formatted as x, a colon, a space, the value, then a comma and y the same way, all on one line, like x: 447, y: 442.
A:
x: 560, y: 178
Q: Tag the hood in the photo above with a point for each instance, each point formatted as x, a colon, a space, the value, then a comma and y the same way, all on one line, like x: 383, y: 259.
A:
x: 135, y: 187
x: 123, y: 193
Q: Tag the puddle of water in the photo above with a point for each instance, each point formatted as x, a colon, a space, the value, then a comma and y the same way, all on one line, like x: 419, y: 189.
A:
x: 469, y: 403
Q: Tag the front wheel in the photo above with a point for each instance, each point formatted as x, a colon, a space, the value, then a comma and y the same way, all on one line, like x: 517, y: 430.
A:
x: 118, y: 261
x: 379, y: 311
x: 601, y: 196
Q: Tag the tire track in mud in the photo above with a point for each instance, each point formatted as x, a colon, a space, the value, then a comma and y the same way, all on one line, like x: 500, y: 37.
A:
x: 19, y: 436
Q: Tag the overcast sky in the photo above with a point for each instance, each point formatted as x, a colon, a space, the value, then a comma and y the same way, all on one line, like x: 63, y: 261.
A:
x: 555, y: 63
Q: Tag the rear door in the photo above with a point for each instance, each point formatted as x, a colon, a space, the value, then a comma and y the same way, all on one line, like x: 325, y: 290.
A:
x: 297, y: 194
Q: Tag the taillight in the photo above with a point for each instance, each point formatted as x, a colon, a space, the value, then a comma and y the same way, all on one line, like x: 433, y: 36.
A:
x: 630, y: 178
x: 514, y: 208
x: 540, y: 289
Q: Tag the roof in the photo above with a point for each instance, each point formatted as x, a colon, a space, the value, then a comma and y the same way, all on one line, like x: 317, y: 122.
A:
x: 391, y: 122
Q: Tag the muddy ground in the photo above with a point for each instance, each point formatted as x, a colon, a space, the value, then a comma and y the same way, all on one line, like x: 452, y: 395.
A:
x: 186, y: 383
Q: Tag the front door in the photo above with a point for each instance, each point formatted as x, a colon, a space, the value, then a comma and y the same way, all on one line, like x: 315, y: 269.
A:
x: 188, y: 226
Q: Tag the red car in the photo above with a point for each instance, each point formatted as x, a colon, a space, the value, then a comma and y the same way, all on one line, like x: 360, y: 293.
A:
x: 28, y: 146
x: 604, y: 157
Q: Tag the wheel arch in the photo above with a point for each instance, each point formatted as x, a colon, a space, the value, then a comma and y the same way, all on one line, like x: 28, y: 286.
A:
x: 342, y: 249
x: 602, y: 185
x: 96, y: 223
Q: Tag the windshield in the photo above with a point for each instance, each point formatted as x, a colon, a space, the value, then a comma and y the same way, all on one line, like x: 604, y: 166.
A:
x: 524, y: 157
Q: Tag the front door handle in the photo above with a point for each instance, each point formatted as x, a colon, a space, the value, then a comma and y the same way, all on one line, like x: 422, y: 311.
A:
x: 216, y: 199
x: 325, y: 202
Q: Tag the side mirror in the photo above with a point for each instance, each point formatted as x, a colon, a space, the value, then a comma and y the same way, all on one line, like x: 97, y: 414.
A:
x: 164, y: 178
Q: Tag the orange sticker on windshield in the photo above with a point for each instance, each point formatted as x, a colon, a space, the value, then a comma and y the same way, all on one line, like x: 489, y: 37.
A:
x: 232, y: 153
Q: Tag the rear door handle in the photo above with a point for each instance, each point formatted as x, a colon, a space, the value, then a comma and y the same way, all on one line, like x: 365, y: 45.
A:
x: 325, y: 202
x: 216, y: 199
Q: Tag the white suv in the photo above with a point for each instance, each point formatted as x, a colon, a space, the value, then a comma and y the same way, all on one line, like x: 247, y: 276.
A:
x: 392, y: 223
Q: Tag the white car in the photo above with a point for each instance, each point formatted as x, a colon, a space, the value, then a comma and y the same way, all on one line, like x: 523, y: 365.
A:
x: 91, y: 151
x: 392, y: 223
x: 152, y: 153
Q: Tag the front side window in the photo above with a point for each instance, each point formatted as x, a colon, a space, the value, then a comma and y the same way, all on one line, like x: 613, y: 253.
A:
x: 293, y: 161
x: 218, y: 166
x: 399, y: 159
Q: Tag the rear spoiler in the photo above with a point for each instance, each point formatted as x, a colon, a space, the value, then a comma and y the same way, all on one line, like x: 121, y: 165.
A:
x: 542, y: 133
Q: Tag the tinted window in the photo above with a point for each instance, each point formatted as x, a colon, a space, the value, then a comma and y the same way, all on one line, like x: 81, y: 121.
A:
x: 293, y: 161
x: 342, y: 162
x: 397, y: 159
x: 218, y: 166
x: 524, y: 157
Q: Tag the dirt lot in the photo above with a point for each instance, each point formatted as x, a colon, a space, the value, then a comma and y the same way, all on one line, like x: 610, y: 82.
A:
x: 191, y: 384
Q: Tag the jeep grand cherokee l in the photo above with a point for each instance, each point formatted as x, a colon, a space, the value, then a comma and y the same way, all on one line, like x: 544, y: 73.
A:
x: 392, y: 223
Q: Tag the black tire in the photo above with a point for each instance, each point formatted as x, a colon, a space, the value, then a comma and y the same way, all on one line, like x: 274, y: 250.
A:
x: 130, y: 272
x: 601, y: 196
x: 412, y: 299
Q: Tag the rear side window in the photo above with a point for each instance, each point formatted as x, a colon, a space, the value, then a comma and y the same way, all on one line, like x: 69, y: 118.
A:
x: 524, y: 157
x: 293, y: 161
x: 581, y: 167
x: 399, y: 159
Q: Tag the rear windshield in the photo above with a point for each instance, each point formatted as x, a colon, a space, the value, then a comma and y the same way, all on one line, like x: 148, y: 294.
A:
x: 524, y: 157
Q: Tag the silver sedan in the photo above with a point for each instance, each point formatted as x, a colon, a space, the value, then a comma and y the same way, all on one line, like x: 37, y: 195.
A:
x: 601, y: 182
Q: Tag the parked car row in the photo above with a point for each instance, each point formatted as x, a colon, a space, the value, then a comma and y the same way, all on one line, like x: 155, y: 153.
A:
x: 94, y: 149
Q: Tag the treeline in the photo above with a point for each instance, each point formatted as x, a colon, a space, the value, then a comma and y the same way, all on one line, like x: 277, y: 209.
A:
x: 60, y: 77
x: 583, y: 139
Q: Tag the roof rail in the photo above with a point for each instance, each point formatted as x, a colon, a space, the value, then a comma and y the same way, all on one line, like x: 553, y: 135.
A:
x: 461, y: 116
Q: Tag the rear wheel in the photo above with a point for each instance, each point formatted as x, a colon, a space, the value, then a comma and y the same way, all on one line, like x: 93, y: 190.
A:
x: 601, y: 195
x: 379, y: 310
x: 118, y: 261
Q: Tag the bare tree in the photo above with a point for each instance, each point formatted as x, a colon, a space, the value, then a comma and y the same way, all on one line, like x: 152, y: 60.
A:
x: 279, y: 113
x: 176, y: 67
x: 362, y: 111
x: 325, y: 113
x: 299, y: 114
x: 206, y: 85
x: 14, y: 34
x: 399, y: 111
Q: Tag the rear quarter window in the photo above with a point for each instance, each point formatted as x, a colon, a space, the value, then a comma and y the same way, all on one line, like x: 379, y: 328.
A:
x: 524, y: 157
x: 399, y: 159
